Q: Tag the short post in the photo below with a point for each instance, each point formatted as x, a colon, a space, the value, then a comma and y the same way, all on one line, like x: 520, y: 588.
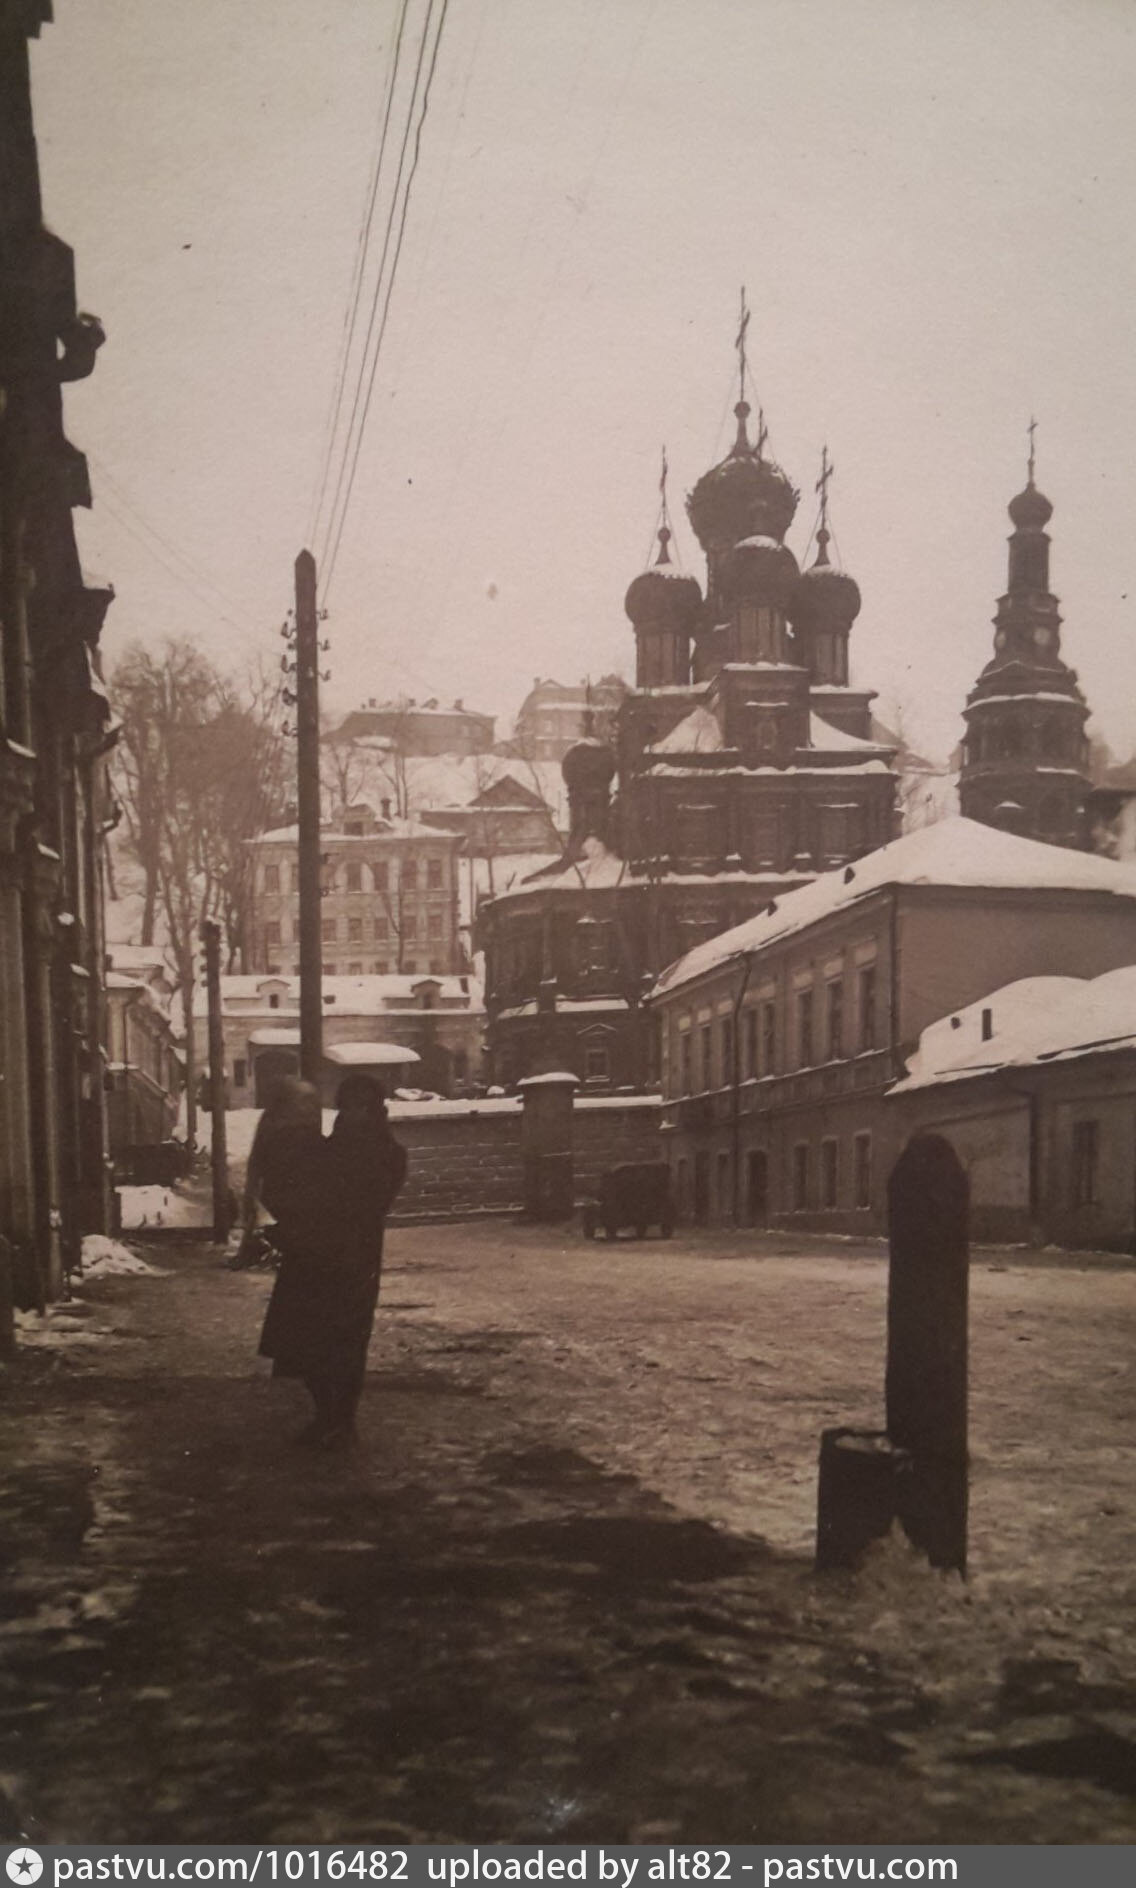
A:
x: 222, y: 1217
x: 549, y: 1180
x: 926, y: 1382
x: 915, y: 1470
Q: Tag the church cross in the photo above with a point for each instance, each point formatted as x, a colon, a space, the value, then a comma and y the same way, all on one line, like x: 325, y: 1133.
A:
x: 1031, y: 430
x: 826, y: 471
x: 740, y: 344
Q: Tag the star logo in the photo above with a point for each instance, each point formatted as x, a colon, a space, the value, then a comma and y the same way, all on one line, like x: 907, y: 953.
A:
x: 24, y: 1865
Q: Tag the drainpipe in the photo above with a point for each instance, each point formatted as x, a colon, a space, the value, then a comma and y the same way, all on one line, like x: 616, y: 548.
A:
x: 736, y: 1077
x: 897, y: 1069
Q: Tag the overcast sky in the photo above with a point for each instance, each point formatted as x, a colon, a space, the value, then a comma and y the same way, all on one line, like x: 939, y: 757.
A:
x: 931, y: 207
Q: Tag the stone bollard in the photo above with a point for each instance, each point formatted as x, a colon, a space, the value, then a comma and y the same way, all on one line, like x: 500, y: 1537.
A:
x: 546, y: 1139
x: 915, y: 1471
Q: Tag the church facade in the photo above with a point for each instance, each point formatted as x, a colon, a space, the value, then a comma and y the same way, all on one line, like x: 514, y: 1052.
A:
x: 743, y: 765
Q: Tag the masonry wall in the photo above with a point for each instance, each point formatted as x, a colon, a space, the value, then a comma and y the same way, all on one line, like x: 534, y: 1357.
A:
x: 469, y: 1163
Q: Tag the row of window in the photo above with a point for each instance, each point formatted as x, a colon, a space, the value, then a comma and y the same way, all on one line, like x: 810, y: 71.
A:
x: 357, y: 930
x: 354, y: 876
x: 821, y: 1033
x: 1013, y: 740
x: 379, y: 967
x: 829, y: 1177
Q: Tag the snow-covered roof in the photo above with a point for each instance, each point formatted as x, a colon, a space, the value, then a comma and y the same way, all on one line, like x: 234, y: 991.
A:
x: 349, y: 996
x: 1037, y: 1019
x: 368, y: 1054
x: 699, y: 732
x: 275, y: 1038
x: 595, y: 868
x: 832, y: 740
x: 952, y: 852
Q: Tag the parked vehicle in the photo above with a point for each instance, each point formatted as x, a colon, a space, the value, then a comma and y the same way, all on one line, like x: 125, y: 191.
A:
x: 636, y: 1194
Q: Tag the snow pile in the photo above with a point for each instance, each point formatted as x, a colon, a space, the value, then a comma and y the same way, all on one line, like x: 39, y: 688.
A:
x: 55, y: 1328
x: 159, y: 1206
x: 109, y: 1258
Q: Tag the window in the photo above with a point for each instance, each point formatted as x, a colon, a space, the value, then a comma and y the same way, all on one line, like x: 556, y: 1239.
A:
x: 868, y: 1007
x: 354, y: 930
x: 330, y: 970
x: 410, y: 966
x: 835, y: 1019
x: 240, y: 1072
x: 382, y: 930
x: 434, y: 924
x: 354, y: 878
x: 725, y: 1192
x: 354, y: 970
x: 1086, y: 1154
x: 272, y: 933
x: 327, y: 930
x: 862, y: 1170
x: 727, y: 1028
x: 829, y: 1172
x: 381, y: 875
x: 274, y: 1000
x: 354, y: 828
x: 766, y: 838
x: 596, y: 1063
x: 272, y: 878
x: 434, y: 874
x: 686, y: 1062
x: 768, y: 1038
x: 751, y: 1042
x: 804, y: 1028
x: 800, y: 1177
x: 381, y: 967
x: 410, y: 874
x: 707, y: 1045
x: 410, y: 924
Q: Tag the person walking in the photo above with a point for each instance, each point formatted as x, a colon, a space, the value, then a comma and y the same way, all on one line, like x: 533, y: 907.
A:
x: 288, y: 1174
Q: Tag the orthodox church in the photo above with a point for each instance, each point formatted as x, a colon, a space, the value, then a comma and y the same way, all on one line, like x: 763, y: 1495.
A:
x: 1025, y: 757
x: 744, y: 763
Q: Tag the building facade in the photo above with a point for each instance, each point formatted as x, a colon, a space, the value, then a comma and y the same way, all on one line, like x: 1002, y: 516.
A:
x: 438, y: 1021
x: 1035, y: 1088
x: 54, y: 736
x: 390, y: 898
x: 144, y: 1064
x: 743, y: 764
x: 420, y: 727
x: 1025, y: 757
x: 551, y: 719
x: 781, y: 1041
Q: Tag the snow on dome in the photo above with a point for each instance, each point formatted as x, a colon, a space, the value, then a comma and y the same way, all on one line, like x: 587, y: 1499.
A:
x: 953, y: 852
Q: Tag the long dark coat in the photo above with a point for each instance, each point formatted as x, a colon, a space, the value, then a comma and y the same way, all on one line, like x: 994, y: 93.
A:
x: 319, y: 1319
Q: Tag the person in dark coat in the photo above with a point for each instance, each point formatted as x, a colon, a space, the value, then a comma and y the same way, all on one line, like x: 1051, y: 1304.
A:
x: 329, y: 1210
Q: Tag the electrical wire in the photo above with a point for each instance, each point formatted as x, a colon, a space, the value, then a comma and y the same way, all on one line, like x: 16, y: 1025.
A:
x: 334, y: 543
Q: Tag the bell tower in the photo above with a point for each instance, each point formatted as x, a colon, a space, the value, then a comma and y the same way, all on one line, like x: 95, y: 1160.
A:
x: 1025, y: 755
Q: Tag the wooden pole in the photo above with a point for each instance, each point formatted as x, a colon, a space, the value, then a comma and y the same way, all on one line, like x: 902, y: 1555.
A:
x: 222, y: 1217
x: 308, y: 807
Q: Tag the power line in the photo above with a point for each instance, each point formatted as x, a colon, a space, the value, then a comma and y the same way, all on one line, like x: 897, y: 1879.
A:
x: 330, y: 560
x: 351, y: 312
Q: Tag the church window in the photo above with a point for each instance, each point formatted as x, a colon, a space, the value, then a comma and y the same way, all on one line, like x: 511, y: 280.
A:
x: 1053, y: 740
x: 597, y: 1063
x: 1011, y: 740
x: 765, y: 838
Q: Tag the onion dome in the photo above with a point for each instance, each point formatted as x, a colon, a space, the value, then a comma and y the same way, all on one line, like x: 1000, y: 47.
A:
x: 760, y: 570
x: 744, y: 496
x: 589, y: 765
x: 1031, y: 509
x: 824, y: 598
x: 662, y: 596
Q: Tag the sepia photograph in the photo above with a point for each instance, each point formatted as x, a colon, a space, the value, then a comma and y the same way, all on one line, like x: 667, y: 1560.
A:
x: 567, y: 937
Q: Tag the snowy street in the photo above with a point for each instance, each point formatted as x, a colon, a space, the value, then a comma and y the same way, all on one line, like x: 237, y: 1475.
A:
x: 562, y: 1590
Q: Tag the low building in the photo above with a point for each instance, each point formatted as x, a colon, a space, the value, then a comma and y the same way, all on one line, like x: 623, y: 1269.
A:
x: 420, y: 727
x: 144, y: 1066
x: 1034, y: 1085
x: 436, y: 1023
x: 390, y: 898
x: 780, y: 1040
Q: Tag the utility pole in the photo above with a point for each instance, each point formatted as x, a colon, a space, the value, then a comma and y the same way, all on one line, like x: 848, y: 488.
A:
x: 211, y: 937
x: 308, y: 808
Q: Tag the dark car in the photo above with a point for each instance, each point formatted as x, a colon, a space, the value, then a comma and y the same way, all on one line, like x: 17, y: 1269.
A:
x: 636, y: 1194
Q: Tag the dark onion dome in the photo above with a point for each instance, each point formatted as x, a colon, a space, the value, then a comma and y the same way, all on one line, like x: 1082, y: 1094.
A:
x: 760, y: 570
x: 589, y: 765
x: 745, y: 496
x: 663, y: 595
x: 824, y: 597
x: 1031, y: 509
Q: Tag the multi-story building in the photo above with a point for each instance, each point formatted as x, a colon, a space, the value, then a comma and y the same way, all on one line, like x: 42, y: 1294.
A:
x: 1025, y: 758
x: 743, y: 764
x: 390, y: 898
x: 420, y: 727
x: 55, y: 722
x: 780, y: 1040
x: 424, y: 1032
x: 144, y: 1064
x: 552, y: 716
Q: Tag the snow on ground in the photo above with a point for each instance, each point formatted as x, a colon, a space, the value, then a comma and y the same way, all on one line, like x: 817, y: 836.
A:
x: 109, y: 1258
x: 158, y: 1206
